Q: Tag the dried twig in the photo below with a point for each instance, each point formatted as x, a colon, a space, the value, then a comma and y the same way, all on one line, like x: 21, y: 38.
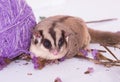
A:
x: 106, y: 63
x: 99, y: 50
x: 110, y: 52
x: 104, y: 20
x: 102, y: 60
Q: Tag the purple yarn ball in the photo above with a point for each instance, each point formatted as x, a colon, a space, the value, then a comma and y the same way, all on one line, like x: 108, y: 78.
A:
x: 16, y: 23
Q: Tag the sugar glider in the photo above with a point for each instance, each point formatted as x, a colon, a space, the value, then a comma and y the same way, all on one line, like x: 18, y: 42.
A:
x: 63, y: 36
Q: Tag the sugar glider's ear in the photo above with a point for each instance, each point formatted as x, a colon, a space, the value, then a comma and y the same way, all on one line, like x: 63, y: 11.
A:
x: 67, y: 35
x: 37, y: 36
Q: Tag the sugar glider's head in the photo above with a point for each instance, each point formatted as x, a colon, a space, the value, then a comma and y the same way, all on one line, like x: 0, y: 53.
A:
x: 49, y: 43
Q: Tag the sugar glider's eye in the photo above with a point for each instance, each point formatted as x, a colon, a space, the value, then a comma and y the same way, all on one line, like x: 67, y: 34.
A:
x: 61, y: 42
x: 47, y: 43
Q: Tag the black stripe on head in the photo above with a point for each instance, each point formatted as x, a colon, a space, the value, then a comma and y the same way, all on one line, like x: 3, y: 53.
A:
x: 41, y: 32
x: 62, y: 40
x: 53, y: 33
x: 51, y: 30
x: 63, y: 34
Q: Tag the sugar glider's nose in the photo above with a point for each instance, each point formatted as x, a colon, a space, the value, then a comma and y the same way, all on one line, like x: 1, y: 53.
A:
x: 54, y: 51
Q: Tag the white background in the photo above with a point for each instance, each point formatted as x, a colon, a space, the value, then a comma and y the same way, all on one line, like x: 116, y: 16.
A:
x: 71, y: 70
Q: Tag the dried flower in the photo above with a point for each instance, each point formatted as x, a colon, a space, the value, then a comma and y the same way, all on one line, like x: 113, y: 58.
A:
x: 25, y: 63
x: 94, y: 54
x: 29, y: 73
x: 38, y: 62
x: 84, y: 52
x: 4, y: 62
x: 89, y: 70
x: 62, y: 59
x: 24, y: 57
x: 57, y: 80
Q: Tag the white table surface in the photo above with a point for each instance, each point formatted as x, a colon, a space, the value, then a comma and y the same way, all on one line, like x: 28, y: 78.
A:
x: 71, y: 70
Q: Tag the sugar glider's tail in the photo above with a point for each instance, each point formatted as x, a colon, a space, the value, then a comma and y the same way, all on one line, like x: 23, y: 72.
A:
x: 104, y: 37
